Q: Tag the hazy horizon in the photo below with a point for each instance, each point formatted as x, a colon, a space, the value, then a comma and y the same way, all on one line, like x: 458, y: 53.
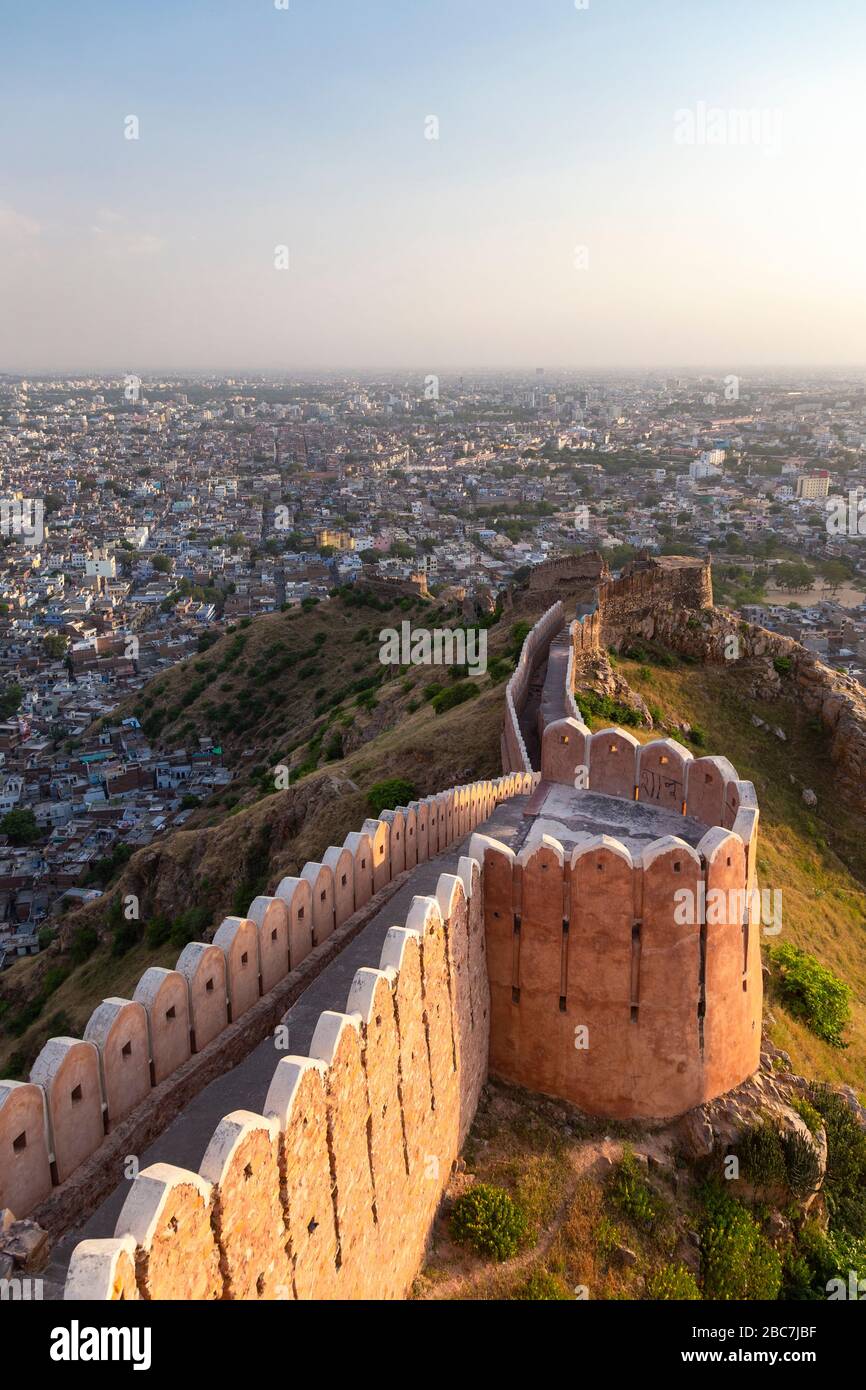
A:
x: 625, y: 188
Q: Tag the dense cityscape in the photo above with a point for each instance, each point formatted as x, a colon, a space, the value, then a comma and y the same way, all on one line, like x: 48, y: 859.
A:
x: 143, y: 516
x: 432, y: 674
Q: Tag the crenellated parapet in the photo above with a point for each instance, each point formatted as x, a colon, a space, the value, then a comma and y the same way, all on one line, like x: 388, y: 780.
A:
x: 331, y: 1191
x: 626, y: 983
x: 81, y: 1090
x: 533, y: 653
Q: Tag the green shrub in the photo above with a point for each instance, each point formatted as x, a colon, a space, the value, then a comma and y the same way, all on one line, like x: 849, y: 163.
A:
x: 808, y: 1114
x: 820, y: 1257
x: 802, y: 1169
x: 672, y: 1283
x: 542, y: 1286
x: 124, y: 937
x: 489, y: 1221
x: 593, y: 705
x: 498, y: 669
x: 394, y: 791
x: 158, y: 931
x: 762, y: 1156
x: 632, y: 1193
x: 844, y: 1185
x: 191, y: 924
x: 84, y: 943
x: 457, y: 695
x: 53, y: 980
x: 737, y: 1261
x: 519, y: 633
x: 334, y: 748
x: 812, y: 992
x: 21, y: 1021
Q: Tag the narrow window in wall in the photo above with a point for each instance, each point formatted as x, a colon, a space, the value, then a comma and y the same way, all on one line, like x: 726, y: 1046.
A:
x: 702, y: 968
x: 19, y: 1144
x: 563, y: 968
x: 126, y: 1050
x: 635, y: 971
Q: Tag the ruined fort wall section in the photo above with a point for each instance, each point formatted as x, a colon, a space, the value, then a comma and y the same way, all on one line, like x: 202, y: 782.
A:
x: 331, y: 1192
x: 85, y: 1088
x: 631, y: 605
x: 649, y: 597
x: 612, y: 984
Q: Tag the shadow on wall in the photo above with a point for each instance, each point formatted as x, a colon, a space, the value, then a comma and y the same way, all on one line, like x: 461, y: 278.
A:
x: 331, y: 1191
x: 534, y: 650
x: 81, y: 1089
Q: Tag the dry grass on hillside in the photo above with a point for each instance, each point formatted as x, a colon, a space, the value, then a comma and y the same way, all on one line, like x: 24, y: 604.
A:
x: 817, y: 858
x: 556, y: 1164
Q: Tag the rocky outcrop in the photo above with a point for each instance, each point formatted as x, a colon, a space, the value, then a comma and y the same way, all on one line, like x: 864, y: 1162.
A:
x: 775, y: 667
x: 713, y: 1133
x: 597, y: 674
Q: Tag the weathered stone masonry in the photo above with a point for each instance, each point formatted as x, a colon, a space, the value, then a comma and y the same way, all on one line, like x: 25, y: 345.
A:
x: 330, y: 1193
x: 81, y: 1090
x: 332, y: 1190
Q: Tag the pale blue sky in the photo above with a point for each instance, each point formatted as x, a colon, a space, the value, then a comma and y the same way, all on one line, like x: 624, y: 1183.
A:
x: 262, y: 127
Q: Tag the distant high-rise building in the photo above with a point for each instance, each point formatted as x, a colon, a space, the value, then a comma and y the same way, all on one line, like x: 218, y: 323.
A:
x: 811, y: 485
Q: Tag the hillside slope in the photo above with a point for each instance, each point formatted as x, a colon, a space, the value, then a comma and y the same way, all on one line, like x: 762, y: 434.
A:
x: 815, y: 857
x: 241, y: 842
x: 338, y: 722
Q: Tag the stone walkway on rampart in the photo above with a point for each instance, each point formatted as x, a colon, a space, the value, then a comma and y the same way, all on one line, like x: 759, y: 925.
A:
x: 245, y: 1087
x: 553, y: 702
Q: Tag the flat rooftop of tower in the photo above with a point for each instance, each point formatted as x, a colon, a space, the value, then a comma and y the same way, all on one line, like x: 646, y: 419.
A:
x: 574, y: 817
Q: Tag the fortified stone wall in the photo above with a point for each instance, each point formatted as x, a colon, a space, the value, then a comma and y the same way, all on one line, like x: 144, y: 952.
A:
x: 569, y: 575
x: 575, y: 967
x: 80, y: 1090
x: 533, y: 652
x: 662, y: 772
x: 649, y: 588
x: 331, y: 1191
x: 648, y: 593
x: 599, y: 995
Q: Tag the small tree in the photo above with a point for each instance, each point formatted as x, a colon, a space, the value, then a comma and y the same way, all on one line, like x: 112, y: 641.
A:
x: 55, y: 645
x: 20, y: 825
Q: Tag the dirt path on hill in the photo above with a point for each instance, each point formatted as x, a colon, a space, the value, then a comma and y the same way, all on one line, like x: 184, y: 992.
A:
x: 595, y: 1153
